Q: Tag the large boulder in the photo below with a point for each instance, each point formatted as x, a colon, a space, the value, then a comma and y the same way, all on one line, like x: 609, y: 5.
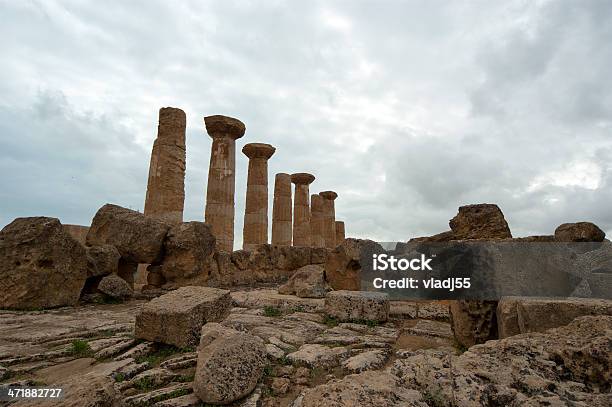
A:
x: 115, y: 287
x: 41, y: 265
x: 517, y: 315
x: 230, y: 363
x: 176, y: 318
x: 188, y: 251
x: 306, y: 282
x: 480, y: 221
x: 473, y: 321
x: 579, y: 232
x: 346, y: 305
x: 139, y: 239
x: 343, y: 265
x: 102, y: 260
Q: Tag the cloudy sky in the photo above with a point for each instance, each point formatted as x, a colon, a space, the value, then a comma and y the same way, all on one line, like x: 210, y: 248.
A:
x: 408, y: 109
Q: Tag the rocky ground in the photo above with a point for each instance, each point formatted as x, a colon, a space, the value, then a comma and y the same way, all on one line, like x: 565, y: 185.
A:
x: 92, y: 351
x: 313, y: 360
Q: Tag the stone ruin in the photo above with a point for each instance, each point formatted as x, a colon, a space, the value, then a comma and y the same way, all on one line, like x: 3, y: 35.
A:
x: 274, y: 324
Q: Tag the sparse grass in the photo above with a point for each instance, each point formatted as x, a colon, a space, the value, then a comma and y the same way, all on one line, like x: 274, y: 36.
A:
x: 107, y: 299
x: 330, y: 321
x: 162, y: 353
x: 434, y: 397
x: 284, y: 361
x: 268, y: 370
x: 119, y: 377
x: 460, y: 348
x: 145, y: 384
x: 171, y: 395
x: 185, y: 378
x: 80, y: 349
x: 317, y: 372
x: 297, y: 308
x: 270, y: 311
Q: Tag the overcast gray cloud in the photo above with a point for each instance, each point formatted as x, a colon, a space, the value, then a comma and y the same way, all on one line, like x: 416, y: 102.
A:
x: 407, y: 109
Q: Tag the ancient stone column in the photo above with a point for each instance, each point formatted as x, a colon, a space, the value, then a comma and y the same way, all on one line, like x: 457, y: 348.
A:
x: 255, y: 228
x: 316, y: 221
x: 219, y: 212
x: 281, y: 210
x: 340, y: 235
x: 301, y: 209
x: 166, y: 186
x: 329, y: 218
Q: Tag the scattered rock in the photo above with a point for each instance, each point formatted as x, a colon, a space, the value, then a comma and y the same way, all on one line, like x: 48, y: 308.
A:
x: 318, y: 356
x: 579, y: 232
x: 373, y: 359
x: 116, y: 287
x: 188, y: 251
x: 139, y: 239
x: 177, y: 317
x: 516, y: 315
x: 473, y: 321
x: 41, y: 265
x: 480, y: 221
x: 343, y: 265
x: 280, y: 385
x: 230, y: 363
x: 308, y: 282
x: 363, y: 389
x: 357, y: 306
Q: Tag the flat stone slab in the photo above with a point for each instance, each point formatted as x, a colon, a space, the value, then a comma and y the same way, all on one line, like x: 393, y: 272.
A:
x: 271, y: 298
x: 319, y: 356
x: 176, y: 318
x: 347, y: 305
x: 517, y: 315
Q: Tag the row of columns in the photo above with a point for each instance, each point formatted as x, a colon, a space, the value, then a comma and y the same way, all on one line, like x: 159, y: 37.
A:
x: 310, y: 221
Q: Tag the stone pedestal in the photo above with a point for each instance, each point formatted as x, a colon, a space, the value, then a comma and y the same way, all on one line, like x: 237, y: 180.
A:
x: 255, y: 229
x: 301, y: 209
x: 340, y: 234
x: 166, y: 185
x: 219, y: 212
x: 329, y: 218
x: 281, y: 210
x: 316, y: 221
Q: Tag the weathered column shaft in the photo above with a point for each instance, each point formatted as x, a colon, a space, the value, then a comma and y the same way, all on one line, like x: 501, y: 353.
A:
x: 316, y: 221
x: 281, y: 210
x: 255, y: 227
x: 219, y: 213
x: 301, y: 209
x: 340, y: 233
x: 166, y: 184
x: 329, y: 218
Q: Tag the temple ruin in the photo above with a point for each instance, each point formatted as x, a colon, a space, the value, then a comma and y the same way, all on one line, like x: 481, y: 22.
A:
x: 301, y: 209
x: 255, y: 230
x: 166, y: 185
x: 219, y: 212
x: 329, y: 218
x: 282, y: 211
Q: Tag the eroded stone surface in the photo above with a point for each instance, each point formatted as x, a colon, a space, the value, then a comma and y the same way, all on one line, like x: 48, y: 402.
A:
x: 41, y: 265
x: 357, y: 305
x: 307, y: 282
x: 177, y: 317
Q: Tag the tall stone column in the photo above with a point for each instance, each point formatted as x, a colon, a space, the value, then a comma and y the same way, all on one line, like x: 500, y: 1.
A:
x: 329, y: 218
x: 340, y: 234
x: 255, y: 228
x: 301, y: 209
x: 316, y: 221
x: 219, y: 213
x: 166, y: 185
x: 281, y: 210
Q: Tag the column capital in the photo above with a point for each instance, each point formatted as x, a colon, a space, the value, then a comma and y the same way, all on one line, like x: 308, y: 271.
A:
x: 329, y: 195
x: 302, y: 178
x: 220, y: 126
x: 258, y: 150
